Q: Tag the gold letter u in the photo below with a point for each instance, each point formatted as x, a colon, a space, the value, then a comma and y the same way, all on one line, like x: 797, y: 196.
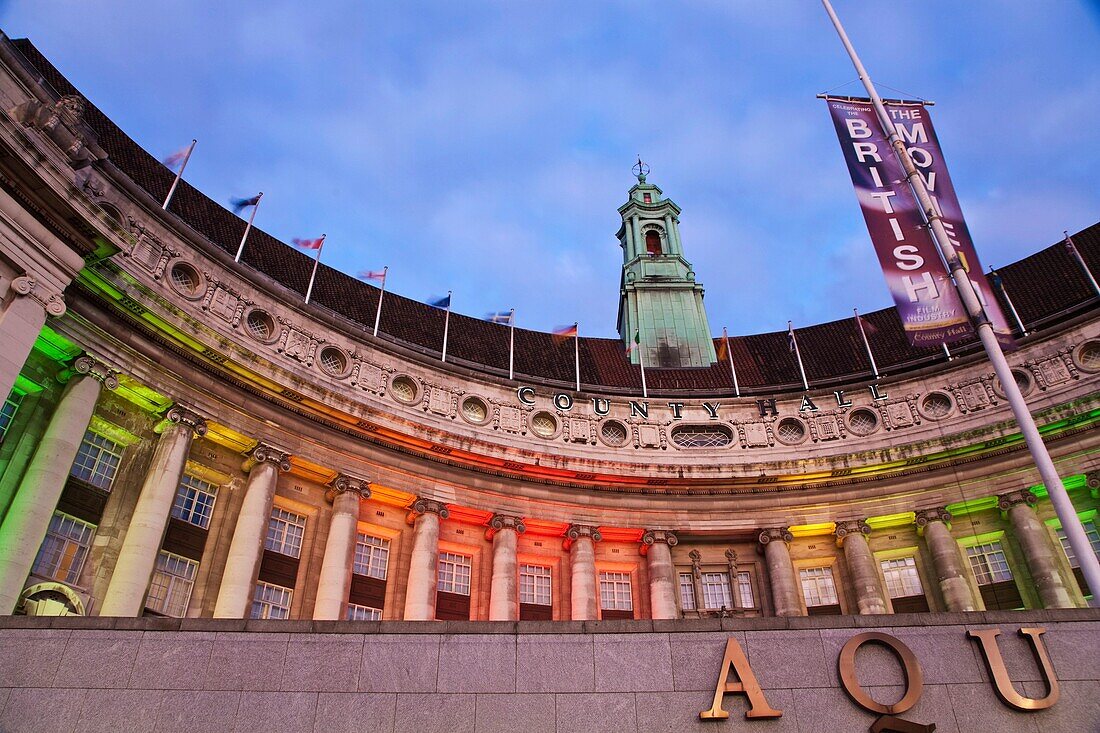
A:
x: 1003, y: 683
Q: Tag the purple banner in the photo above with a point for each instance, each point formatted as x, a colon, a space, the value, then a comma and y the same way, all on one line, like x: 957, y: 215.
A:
x: 925, y: 297
x: 914, y: 124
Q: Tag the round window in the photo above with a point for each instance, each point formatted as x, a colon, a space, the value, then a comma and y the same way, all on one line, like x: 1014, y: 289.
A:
x: 1088, y: 356
x: 936, y: 405
x: 543, y: 424
x: 613, y: 432
x: 186, y: 279
x: 260, y: 325
x: 404, y: 389
x: 1023, y: 382
x: 863, y: 421
x: 790, y: 431
x: 475, y: 410
x: 333, y: 360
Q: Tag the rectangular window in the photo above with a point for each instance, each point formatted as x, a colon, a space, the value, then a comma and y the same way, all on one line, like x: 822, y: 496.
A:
x: 271, y: 601
x: 64, y: 549
x: 687, y: 592
x: 170, y: 589
x: 363, y: 613
x: 454, y: 573
x: 284, y: 532
x: 195, y: 501
x: 7, y: 412
x: 902, y: 578
x: 989, y: 563
x: 1094, y: 540
x: 534, y: 585
x: 817, y: 586
x: 615, y: 592
x: 716, y: 591
x: 744, y: 589
x: 372, y: 555
x: 97, y: 460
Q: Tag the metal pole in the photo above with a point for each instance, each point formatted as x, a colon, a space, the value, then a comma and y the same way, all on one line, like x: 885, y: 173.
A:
x: 1081, y: 261
x: 248, y: 227
x: 381, y: 294
x: 999, y: 284
x: 316, y: 262
x: 946, y: 351
x: 641, y: 363
x: 179, y: 175
x: 1059, y: 497
x: 446, y: 325
x: 733, y: 369
x: 577, y: 352
x: 512, y: 343
x: 798, y: 355
x: 866, y: 343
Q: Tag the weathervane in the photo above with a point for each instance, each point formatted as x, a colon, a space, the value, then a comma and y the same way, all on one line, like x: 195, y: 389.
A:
x: 641, y: 170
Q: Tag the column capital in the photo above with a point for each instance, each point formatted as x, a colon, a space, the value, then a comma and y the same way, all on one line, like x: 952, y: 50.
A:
x: 654, y: 536
x: 344, y: 483
x: 576, y: 531
x: 1012, y: 498
x: 180, y: 415
x: 1092, y: 480
x: 87, y: 365
x: 505, y: 521
x: 264, y: 453
x: 430, y: 506
x: 29, y: 286
x: 771, y: 534
x: 923, y: 517
x: 851, y: 527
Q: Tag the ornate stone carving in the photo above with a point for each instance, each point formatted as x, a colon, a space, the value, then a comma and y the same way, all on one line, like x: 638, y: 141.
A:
x: 180, y: 415
x: 576, y: 531
x: 1092, y: 480
x: 265, y: 453
x: 369, y: 376
x: 901, y: 413
x: 511, y: 419
x: 696, y: 559
x: 147, y: 250
x: 63, y: 123
x: 775, y: 533
x: 850, y: 527
x: 430, y: 506
x: 754, y: 435
x: 937, y: 514
x: 649, y: 436
x: 344, y: 483
x: 90, y: 366
x: 974, y: 394
x: 1053, y: 371
x: 28, y: 285
x: 505, y: 521
x: 653, y: 536
x: 1012, y: 498
x: 731, y: 558
x: 825, y: 426
x: 298, y: 345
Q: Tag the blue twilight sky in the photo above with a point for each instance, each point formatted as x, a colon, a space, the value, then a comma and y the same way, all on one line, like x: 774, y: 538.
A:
x: 485, y: 146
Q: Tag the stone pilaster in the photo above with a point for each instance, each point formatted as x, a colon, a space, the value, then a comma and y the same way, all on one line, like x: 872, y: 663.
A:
x: 852, y: 538
x: 781, y: 574
x: 246, y: 548
x: 657, y: 547
x: 1038, y: 548
x: 583, y: 596
x: 21, y: 322
x: 504, y: 531
x: 130, y: 580
x: 334, y: 580
x: 424, y: 563
x: 31, y: 509
x: 935, y: 525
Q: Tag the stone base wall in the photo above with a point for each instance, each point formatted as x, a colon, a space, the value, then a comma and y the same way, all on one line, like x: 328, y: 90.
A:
x: 195, y: 675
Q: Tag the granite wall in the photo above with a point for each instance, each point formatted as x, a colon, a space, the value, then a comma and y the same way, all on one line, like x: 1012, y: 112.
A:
x: 195, y: 675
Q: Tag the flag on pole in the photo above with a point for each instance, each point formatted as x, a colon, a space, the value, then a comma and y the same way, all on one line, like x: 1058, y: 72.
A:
x: 507, y: 318
x: 378, y: 276
x: 504, y: 317
x: 374, y: 276
x: 180, y: 158
x: 314, y: 244
x: 792, y: 344
x: 309, y: 243
x: 174, y: 159
x: 563, y: 333
x: 240, y: 205
x: 444, y: 302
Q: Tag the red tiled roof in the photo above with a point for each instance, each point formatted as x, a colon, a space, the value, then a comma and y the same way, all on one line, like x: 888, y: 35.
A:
x: 1045, y: 287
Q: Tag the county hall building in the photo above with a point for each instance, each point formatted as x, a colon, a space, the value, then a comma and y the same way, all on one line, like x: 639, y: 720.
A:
x: 194, y: 459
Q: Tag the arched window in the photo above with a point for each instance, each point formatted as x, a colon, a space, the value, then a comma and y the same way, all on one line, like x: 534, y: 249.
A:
x: 653, y: 242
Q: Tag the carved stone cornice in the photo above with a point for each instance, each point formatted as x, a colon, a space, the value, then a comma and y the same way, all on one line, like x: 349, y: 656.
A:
x: 505, y: 521
x: 1014, y: 498
x: 29, y: 286
x: 576, y: 531
x: 88, y: 366
x: 851, y: 527
x: 265, y: 453
x: 771, y: 534
x: 654, y: 536
x: 180, y: 415
x: 430, y: 506
x: 343, y: 483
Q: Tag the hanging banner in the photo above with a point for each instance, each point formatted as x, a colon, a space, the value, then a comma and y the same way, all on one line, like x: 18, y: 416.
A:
x: 926, y: 300
x: 914, y: 125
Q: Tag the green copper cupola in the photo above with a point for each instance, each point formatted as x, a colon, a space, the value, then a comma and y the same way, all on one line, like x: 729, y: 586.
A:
x: 660, y: 300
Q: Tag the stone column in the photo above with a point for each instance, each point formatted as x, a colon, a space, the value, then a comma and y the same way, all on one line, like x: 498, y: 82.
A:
x: 246, y: 548
x: 851, y: 537
x: 1037, y: 546
x: 581, y: 541
x: 130, y: 580
x: 31, y: 509
x: 334, y: 580
x: 934, y: 524
x: 424, y: 564
x: 504, y: 531
x: 656, y: 546
x: 20, y: 324
x: 780, y: 571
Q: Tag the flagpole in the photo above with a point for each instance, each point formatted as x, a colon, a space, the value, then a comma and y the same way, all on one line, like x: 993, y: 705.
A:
x: 1059, y: 497
x: 511, y: 343
x: 316, y: 262
x: 1081, y: 261
x: 733, y: 369
x: 641, y: 363
x: 798, y: 355
x: 381, y: 294
x: 866, y: 343
x: 179, y: 174
x: 1000, y: 285
x: 577, y: 352
x: 248, y: 227
x: 446, y: 325
x: 946, y: 351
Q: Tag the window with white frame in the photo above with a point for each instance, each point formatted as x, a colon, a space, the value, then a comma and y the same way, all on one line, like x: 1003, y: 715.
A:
x: 195, y: 501
x: 271, y: 601
x: 97, y: 460
x: 284, y: 532
x: 902, y: 578
x: 716, y: 590
x: 534, y: 584
x: 7, y: 412
x: 372, y: 556
x: 1094, y: 540
x: 818, y: 587
x: 170, y: 588
x: 687, y: 592
x: 64, y: 549
x: 989, y: 563
x: 744, y: 589
x: 615, y: 592
x: 454, y: 573
x: 357, y: 612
